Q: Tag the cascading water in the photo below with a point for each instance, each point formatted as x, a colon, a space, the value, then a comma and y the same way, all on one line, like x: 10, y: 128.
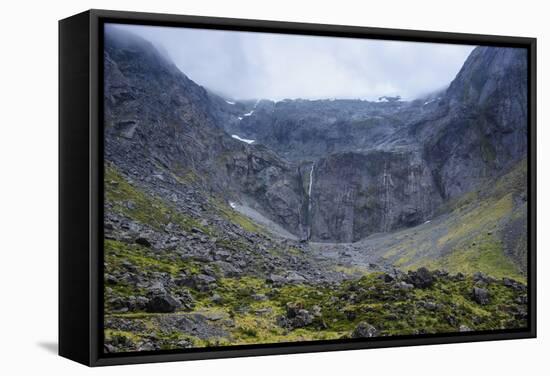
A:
x: 309, y: 206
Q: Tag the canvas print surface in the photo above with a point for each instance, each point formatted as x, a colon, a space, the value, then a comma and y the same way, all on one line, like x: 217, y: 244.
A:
x: 269, y: 188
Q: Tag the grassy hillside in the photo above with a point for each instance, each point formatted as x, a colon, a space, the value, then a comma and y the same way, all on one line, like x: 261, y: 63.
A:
x: 473, y: 236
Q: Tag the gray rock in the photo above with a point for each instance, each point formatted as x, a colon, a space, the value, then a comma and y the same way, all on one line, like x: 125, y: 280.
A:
x: 148, y: 346
x: 303, y: 318
x: 143, y: 241
x: 276, y: 279
x: 228, y: 269
x: 510, y: 283
x: 350, y: 189
x: 259, y: 297
x: 162, y: 304
x: 480, y: 295
x: 200, y: 282
x: 216, y: 299
x: 387, y: 277
x: 483, y: 278
x: 458, y: 277
x: 111, y: 279
x: 422, y: 278
x: 294, y: 277
x: 405, y: 286
x: 292, y: 309
x: 431, y: 306
x: 364, y: 330
x: 109, y: 348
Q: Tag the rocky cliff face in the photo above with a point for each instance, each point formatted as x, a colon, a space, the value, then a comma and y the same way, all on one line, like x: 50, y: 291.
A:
x: 483, y: 130
x: 159, y: 121
x: 356, y: 194
x: 474, y: 131
x: 311, y: 129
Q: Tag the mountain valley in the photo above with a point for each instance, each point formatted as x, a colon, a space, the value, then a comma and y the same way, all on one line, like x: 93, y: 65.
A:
x: 235, y: 222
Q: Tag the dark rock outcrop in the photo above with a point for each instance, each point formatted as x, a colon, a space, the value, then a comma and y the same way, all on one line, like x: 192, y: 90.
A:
x: 364, y: 330
x: 421, y: 278
x: 480, y: 295
x: 162, y: 303
x: 357, y: 194
x: 296, y: 317
x: 483, y: 127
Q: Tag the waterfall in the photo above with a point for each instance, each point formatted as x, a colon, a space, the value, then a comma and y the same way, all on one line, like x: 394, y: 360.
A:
x: 310, y: 182
x: 309, y: 206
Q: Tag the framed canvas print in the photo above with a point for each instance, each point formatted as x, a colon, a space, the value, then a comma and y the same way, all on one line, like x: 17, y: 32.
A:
x: 239, y: 187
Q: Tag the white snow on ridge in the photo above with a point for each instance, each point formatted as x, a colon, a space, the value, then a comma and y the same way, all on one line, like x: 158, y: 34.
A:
x: 251, y: 111
x: 229, y: 102
x: 242, y: 139
x: 240, y: 118
x: 232, y: 204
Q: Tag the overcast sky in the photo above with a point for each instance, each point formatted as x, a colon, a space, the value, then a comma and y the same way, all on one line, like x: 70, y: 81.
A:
x: 244, y: 65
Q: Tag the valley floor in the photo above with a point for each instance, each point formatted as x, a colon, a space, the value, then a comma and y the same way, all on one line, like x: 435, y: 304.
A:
x: 251, y: 310
x: 190, y: 271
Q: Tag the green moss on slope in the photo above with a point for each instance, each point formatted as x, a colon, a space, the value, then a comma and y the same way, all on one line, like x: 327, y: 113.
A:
x: 133, y: 202
x: 118, y: 253
x: 251, y: 309
x: 469, y: 238
x: 235, y: 217
x: 484, y: 254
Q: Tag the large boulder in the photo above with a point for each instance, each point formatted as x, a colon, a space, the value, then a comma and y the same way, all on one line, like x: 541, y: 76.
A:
x: 276, y: 279
x: 143, y: 241
x: 422, y: 278
x: 199, y: 282
x: 162, y: 304
x: 297, y: 316
x: 482, y: 278
x: 480, y: 295
x: 364, y: 330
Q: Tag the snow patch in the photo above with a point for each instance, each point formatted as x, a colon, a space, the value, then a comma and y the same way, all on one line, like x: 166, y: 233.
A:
x: 242, y: 139
x: 251, y: 111
x: 232, y: 204
x: 229, y: 102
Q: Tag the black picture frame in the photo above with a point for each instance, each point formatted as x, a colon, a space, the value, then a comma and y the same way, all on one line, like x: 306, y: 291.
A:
x: 81, y: 185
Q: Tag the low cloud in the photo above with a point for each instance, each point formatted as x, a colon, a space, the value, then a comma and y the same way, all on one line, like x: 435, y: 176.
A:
x: 244, y: 65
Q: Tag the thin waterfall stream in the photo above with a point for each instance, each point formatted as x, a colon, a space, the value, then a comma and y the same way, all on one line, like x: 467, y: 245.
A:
x: 309, y: 206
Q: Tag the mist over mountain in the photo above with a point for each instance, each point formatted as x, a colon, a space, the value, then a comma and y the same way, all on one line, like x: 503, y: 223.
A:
x: 272, y: 66
x: 292, y: 191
